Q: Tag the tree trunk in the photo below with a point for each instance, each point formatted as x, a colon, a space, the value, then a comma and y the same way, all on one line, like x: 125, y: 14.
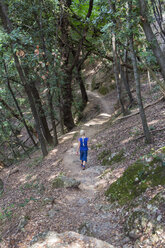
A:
x: 69, y: 62
x: 137, y: 80
x: 126, y: 79
x: 49, y: 95
x: 151, y: 38
x: 82, y: 87
x: 116, y: 72
x: 126, y: 85
x: 43, y: 121
x: 37, y: 119
x: 138, y: 92
x: 67, y: 102
x: 60, y: 106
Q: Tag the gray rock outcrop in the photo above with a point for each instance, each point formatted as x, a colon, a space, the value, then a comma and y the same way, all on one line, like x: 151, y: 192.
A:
x: 67, y: 240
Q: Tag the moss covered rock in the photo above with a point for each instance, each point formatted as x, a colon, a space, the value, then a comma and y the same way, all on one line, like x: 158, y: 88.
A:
x: 65, y: 182
x: 107, y: 158
x: 135, y: 180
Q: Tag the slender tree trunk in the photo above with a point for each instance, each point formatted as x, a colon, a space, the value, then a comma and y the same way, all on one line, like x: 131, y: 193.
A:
x: 49, y: 95
x: 116, y: 72
x: 37, y: 119
x: 137, y: 81
x: 61, y: 119
x: 67, y: 101
x: 151, y: 38
x: 82, y: 87
x: 15, y: 115
x: 126, y: 85
x: 60, y: 106
x: 126, y: 79
x: 138, y: 92
x: 12, y: 111
x: 43, y: 121
x: 17, y: 105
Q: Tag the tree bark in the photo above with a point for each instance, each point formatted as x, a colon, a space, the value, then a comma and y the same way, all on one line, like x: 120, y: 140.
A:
x: 60, y: 106
x: 67, y: 102
x: 138, y: 92
x: 124, y: 76
x: 49, y: 95
x: 43, y: 121
x: 127, y: 76
x: 137, y: 81
x: 37, y: 119
x: 151, y: 38
x: 82, y: 87
x: 116, y: 72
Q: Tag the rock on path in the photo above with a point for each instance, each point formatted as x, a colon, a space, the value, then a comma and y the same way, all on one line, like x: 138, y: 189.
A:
x: 68, y: 240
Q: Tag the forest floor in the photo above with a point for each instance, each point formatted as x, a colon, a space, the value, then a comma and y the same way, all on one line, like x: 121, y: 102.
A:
x: 31, y: 205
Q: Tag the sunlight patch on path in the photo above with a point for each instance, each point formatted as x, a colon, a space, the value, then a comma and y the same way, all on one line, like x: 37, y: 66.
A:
x: 99, y: 120
x: 67, y: 136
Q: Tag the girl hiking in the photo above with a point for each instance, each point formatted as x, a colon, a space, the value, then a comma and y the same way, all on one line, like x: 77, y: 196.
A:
x: 83, y: 148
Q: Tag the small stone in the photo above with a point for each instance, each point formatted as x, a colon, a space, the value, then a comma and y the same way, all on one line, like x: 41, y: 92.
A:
x: 125, y: 240
x: 113, y: 155
x: 144, y: 222
x: 154, y: 209
x: 149, y: 206
x: 154, y: 238
x: 23, y: 222
x: 159, y: 218
x: 149, y: 226
x: 149, y: 159
x: 134, y: 235
x: 98, y: 206
x: 159, y: 232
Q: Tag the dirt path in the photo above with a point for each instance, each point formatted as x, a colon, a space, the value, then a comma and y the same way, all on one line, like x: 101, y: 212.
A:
x: 90, y: 208
x: 71, y: 161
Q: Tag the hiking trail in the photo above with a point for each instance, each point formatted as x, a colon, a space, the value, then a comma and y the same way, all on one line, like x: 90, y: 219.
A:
x: 86, y: 203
